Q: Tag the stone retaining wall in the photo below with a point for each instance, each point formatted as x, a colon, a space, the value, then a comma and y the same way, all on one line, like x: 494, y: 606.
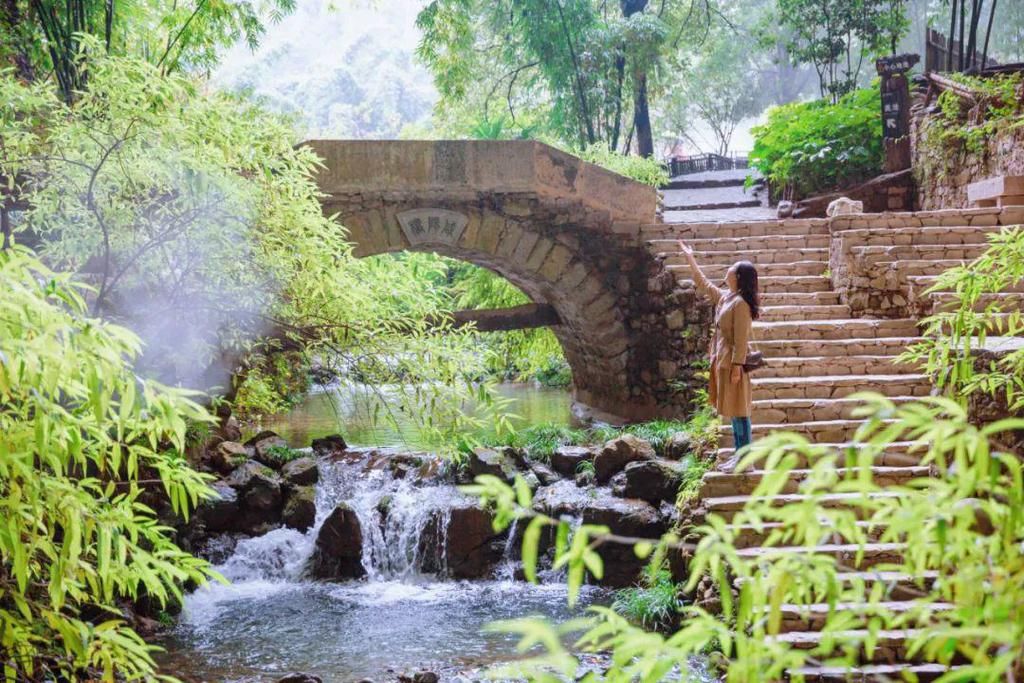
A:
x: 944, y: 168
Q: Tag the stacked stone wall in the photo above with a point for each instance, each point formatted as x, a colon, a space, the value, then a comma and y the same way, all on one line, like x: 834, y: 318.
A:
x: 944, y: 166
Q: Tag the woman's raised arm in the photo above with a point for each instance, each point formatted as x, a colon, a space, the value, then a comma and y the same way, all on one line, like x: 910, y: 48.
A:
x: 703, y: 284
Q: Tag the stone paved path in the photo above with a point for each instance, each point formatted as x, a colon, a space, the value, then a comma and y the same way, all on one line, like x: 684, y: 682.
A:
x: 714, y: 196
x: 819, y: 353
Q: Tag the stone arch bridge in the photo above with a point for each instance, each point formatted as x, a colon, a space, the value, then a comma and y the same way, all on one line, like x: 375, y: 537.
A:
x: 564, y: 231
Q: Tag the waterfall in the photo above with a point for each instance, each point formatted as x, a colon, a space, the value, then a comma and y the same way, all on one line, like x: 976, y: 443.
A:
x: 404, y: 526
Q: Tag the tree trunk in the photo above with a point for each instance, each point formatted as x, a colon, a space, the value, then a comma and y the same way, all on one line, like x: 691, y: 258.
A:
x: 16, y: 26
x: 642, y: 116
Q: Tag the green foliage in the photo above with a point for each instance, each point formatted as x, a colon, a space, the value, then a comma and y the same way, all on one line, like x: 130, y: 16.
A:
x: 87, y: 448
x: 838, y: 36
x: 811, y: 147
x: 971, y: 122
x: 653, y: 605
x: 642, y: 169
x: 284, y: 454
x: 954, y: 335
x: 220, y: 256
x: 935, y: 519
x: 540, y: 441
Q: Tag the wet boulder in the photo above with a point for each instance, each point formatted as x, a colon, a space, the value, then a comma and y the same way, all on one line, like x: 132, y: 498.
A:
x: 329, y: 445
x: 652, y: 480
x: 623, y: 516
x: 230, y: 429
x: 300, y: 509
x: 679, y: 446
x: 566, y: 459
x: 227, y: 455
x: 258, y: 486
x: 618, y: 453
x: 339, y: 546
x: 301, y: 472
x: 300, y: 678
x: 223, y: 511
x: 260, y: 445
x: 474, y: 548
x: 493, y: 462
x: 545, y: 475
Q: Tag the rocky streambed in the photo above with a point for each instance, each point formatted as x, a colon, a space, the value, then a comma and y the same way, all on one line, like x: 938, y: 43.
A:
x: 356, y: 563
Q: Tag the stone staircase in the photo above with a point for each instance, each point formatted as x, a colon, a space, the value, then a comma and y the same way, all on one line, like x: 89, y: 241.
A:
x: 820, y: 351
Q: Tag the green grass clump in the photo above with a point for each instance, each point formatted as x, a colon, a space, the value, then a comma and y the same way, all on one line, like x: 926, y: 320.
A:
x: 283, y: 454
x: 654, y: 604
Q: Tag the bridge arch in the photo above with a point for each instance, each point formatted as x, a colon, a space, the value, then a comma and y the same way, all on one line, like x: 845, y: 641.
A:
x: 565, y: 232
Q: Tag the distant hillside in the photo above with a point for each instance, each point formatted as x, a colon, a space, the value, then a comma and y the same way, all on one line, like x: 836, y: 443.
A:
x: 347, y: 72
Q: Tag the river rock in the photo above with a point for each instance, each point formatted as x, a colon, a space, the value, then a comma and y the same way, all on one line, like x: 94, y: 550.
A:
x: 228, y: 455
x: 545, y: 475
x: 258, y: 486
x: 230, y: 429
x: 490, y: 461
x: 585, y: 478
x: 473, y: 549
x: 300, y: 508
x: 651, y: 480
x: 566, y: 459
x: 679, y: 446
x: 222, y: 512
x: 329, y: 445
x: 618, y: 453
x: 262, y: 442
x: 623, y: 516
x: 301, y: 472
x: 339, y: 546
x: 300, y: 678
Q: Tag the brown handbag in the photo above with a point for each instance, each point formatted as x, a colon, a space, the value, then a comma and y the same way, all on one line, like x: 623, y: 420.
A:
x: 755, y: 361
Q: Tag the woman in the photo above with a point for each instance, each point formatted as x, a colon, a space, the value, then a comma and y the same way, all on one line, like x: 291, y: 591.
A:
x: 735, y: 313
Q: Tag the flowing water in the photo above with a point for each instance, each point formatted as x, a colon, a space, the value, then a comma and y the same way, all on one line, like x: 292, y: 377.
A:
x: 270, y: 620
x: 349, y: 410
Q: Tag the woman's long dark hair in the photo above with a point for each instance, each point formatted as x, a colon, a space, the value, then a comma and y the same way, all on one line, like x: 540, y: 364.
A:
x: 746, y: 283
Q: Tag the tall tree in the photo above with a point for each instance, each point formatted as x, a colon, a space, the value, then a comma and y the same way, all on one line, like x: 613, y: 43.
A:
x: 598, y: 64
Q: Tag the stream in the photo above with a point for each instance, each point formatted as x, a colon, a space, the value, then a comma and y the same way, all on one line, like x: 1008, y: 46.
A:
x: 270, y: 620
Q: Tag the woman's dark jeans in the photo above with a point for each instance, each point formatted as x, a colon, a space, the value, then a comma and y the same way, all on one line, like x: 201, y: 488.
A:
x: 741, y: 431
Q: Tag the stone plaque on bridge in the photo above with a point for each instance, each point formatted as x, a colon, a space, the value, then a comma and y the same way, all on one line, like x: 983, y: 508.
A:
x: 432, y: 226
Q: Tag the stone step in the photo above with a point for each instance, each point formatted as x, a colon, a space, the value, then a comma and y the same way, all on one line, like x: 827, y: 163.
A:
x: 813, y: 617
x: 840, y: 386
x: 716, y: 483
x: 924, y: 235
x: 749, y: 535
x: 848, y: 328
x: 807, y: 366
x: 920, y: 284
x: 918, y: 252
x: 716, y: 273
x: 1004, y: 301
x: 769, y: 284
x: 784, y: 411
x: 670, y: 231
x: 825, y: 431
x: 878, y: 346
x: 850, y: 555
x: 890, y: 645
x: 871, y: 673
x: 742, y: 245
x: 800, y: 299
x: 757, y: 256
x: 905, y: 269
x: 799, y: 312
x: 728, y: 506
x: 898, y: 454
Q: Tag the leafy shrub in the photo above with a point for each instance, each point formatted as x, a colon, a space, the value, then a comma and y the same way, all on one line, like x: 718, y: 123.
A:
x: 807, y: 148
x: 540, y: 441
x: 654, y: 604
x: 80, y: 433
x: 641, y: 169
x: 283, y: 454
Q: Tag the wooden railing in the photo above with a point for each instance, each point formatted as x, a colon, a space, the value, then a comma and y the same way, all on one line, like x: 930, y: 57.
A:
x: 700, y: 163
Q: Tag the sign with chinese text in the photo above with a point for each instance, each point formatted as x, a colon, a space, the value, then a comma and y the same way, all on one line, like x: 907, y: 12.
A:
x: 432, y: 226
x: 892, y: 121
x: 895, y: 64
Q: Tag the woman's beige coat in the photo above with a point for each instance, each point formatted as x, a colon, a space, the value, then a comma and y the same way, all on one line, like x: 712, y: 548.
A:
x: 730, y: 345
